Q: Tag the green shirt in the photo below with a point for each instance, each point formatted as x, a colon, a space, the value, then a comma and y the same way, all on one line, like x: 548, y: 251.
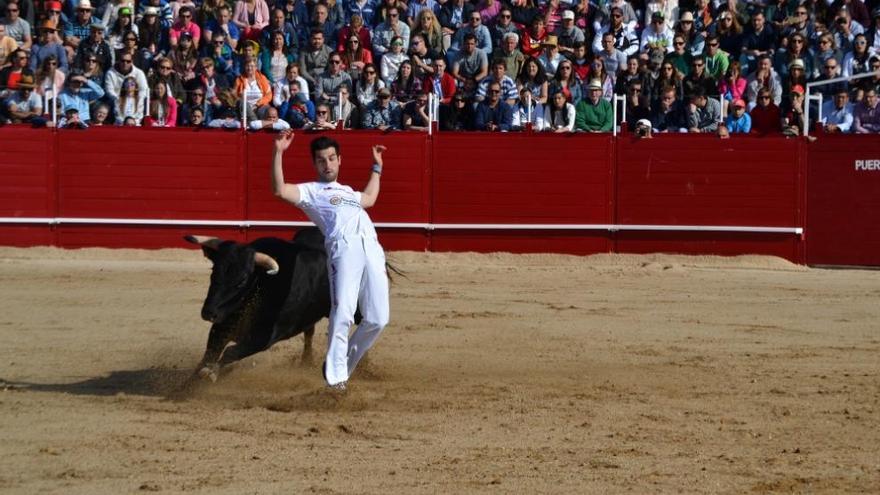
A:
x: 589, y: 117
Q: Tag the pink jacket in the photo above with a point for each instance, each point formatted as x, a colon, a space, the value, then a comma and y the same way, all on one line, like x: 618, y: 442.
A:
x: 261, y: 15
x: 735, y: 92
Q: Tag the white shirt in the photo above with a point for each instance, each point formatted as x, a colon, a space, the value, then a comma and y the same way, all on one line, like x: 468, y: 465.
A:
x: 336, y: 210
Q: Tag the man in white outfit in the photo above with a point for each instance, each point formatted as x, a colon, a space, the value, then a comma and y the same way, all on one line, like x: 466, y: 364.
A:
x: 355, y: 259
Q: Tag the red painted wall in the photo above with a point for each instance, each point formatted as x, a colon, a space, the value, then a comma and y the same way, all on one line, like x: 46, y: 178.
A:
x: 843, y: 219
x: 456, y: 178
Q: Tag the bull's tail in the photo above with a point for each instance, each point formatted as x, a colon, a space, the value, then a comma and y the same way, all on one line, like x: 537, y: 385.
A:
x: 391, y: 268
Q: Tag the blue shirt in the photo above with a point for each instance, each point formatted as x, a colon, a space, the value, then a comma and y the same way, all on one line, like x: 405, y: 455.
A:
x: 740, y: 125
x: 89, y: 92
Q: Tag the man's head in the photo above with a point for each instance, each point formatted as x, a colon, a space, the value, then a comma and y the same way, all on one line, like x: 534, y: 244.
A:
x: 568, y: 19
x: 616, y: 17
x: 470, y: 43
x: 830, y: 68
x: 595, y: 91
x: 124, y: 63
x: 841, y: 98
x: 325, y: 155
x: 383, y: 96
x: 19, y: 58
x: 186, y: 15
x: 475, y: 19
x: 739, y: 107
x: 712, y: 44
x: 698, y: 65
x: 393, y: 16
x: 439, y: 66
x: 12, y: 11
x: 334, y: 63
x: 417, y: 44
x: 550, y: 45
x: 765, y: 64
x: 511, y: 40
x: 499, y: 70
x: 277, y: 18
x: 72, y: 116
x: 26, y: 84
x: 320, y: 14
x: 271, y: 114
x: 667, y: 97
x: 84, y: 11
x: 75, y: 81
x: 608, y: 42
x: 196, y: 117
x: 871, y: 98
x: 797, y: 95
x: 316, y: 39
x: 658, y: 21
x: 698, y: 97
x: 494, y: 93
x: 505, y: 17
x: 758, y: 21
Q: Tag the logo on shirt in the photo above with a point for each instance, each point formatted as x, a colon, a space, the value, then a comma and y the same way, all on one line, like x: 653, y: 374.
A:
x: 335, y: 200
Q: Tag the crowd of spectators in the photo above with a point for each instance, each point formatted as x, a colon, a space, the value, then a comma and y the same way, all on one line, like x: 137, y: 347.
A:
x: 713, y: 66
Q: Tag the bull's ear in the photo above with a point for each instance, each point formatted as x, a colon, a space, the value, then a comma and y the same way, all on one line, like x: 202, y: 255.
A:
x: 267, y: 262
x: 204, y: 241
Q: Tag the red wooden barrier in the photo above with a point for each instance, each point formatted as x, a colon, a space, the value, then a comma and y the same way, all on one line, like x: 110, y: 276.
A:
x: 843, y: 220
x: 27, y: 184
x: 703, y: 181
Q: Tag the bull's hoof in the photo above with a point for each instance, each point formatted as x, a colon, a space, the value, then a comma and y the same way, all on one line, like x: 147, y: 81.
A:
x: 209, y: 373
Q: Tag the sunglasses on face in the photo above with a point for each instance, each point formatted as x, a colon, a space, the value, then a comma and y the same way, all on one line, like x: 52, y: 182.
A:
x: 321, y: 112
x: 392, y: 15
x: 797, y: 41
x: 679, y: 43
x: 698, y: 65
x: 713, y: 45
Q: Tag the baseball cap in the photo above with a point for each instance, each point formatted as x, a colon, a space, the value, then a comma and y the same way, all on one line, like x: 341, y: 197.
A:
x: 657, y: 16
x: 644, y: 122
x: 568, y: 15
x: 53, y: 6
x: 797, y: 88
x: 739, y: 103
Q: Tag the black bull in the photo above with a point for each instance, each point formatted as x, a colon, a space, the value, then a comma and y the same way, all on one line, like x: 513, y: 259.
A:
x: 261, y: 293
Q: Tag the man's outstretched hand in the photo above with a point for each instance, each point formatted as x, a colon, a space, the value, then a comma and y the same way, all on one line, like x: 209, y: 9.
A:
x: 378, y: 149
x: 283, y: 141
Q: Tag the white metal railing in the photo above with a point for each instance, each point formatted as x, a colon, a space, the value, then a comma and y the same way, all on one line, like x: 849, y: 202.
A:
x: 814, y: 84
x: 615, y: 100
x: 398, y: 225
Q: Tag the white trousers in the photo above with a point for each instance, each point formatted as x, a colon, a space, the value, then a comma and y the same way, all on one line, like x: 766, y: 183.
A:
x: 356, y: 267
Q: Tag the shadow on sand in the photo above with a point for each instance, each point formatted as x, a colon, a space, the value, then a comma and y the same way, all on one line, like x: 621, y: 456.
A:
x: 153, y: 382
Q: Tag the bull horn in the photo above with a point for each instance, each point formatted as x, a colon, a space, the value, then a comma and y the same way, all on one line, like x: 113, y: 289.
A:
x: 267, y: 262
x: 204, y: 241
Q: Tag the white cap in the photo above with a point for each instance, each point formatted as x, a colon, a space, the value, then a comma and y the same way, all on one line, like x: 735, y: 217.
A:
x: 568, y: 15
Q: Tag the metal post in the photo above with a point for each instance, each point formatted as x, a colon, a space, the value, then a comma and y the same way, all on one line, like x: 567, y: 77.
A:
x: 430, y: 113
x: 244, y: 95
x: 528, y: 108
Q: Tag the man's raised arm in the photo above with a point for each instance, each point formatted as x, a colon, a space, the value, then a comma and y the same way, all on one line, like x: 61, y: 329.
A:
x: 371, y: 193
x: 287, y: 192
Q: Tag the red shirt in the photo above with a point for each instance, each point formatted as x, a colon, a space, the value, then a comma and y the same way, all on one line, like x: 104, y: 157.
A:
x: 766, y: 120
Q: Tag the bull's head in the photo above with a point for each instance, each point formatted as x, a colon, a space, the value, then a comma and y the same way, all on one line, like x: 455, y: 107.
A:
x: 236, y: 269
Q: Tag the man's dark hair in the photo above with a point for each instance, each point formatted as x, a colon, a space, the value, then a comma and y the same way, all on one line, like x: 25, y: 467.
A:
x: 698, y: 58
x: 323, y: 143
x: 697, y: 92
x: 469, y: 37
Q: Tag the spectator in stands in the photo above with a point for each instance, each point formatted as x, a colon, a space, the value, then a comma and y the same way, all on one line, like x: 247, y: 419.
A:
x: 276, y: 58
x: 92, y: 70
x: 346, y: 111
x: 533, y: 38
x: 476, y: 28
x: 680, y: 57
x: 493, y: 114
x: 226, y: 119
x: 441, y: 84
x: 800, y: 24
x: 368, y: 86
x: 866, y: 117
x: 195, y: 99
x: 420, y: 57
x: 10, y: 75
x: 669, y: 77
x: 837, y: 113
x: 594, y: 113
x: 7, y: 46
x: 212, y: 82
x: 568, y: 34
x: 47, y: 45
x: 185, y: 25
x: 625, y: 38
x: 71, y: 120
x: 321, y: 20
x: 269, y: 122
x: 24, y: 104
x: 668, y: 115
x: 129, y: 101
x: 637, y: 104
x: 827, y: 51
x: 738, y: 121
x: 524, y: 12
x: 669, y: 9
x: 598, y: 73
x: 254, y: 87
x: 195, y: 118
x: 528, y: 110
x: 703, y: 113
x: 857, y: 61
x: 793, y: 113
x: 165, y: 16
x: 391, y: 61
x: 165, y: 74
x: 251, y: 16
x: 764, y: 78
x: 17, y: 27
x: 152, y: 39
x: 631, y: 72
x: 100, y: 115
x: 759, y: 41
x: 415, y: 114
x: 795, y: 77
x: 733, y: 86
x: 795, y: 50
x: 699, y: 78
x: 327, y: 86
x: 163, y: 107
x: 560, y: 115
x: 651, y: 71
x: 472, y: 64
x: 873, y: 32
x: 457, y: 116
x: 390, y: 31
x: 453, y: 15
x: 845, y: 29
x: 508, y: 52
x: 503, y: 26
x: 184, y: 57
x: 532, y: 77
x: 295, y: 106
x: 247, y: 50
x: 613, y: 59
x: 80, y: 93
x: 221, y: 54
x: 355, y: 57
x: 78, y: 28
x: 428, y: 27
x: 223, y: 24
x: 550, y: 58
x: 566, y: 82
x: 694, y: 39
x: 406, y: 85
x: 830, y: 71
x: 119, y: 27
x: 509, y: 92
x: 717, y: 60
x: 313, y: 60
x: 580, y: 62
x: 93, y: 46
x: 766, y: 116
x: 656, y: 35
x: 730, y: 35
x: 383, y: 113
x: 50, y: 79
x: 355, y: 28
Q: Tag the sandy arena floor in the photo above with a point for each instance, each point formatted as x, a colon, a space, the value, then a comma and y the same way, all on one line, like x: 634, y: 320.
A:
x: 498, y: 374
